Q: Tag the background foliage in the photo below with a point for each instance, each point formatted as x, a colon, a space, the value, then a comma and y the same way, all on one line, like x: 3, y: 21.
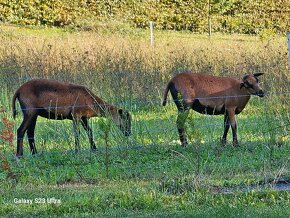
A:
x: 241, y: 16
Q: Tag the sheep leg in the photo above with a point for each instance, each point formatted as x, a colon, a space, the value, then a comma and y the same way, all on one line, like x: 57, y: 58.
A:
x: 226, y: 128
x: 180, y: 122
x: 30, y: 135
x: 88, y: 129
x: 182, y: 105
x: 77, y: 134
x: 233, y: 123
x: 20, y: 133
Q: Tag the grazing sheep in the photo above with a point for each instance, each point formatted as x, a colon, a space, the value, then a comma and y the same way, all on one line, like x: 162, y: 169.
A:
x: 57, y: 100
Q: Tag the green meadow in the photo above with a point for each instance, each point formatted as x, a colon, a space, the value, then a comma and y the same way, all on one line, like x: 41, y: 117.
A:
x: 149, y: 173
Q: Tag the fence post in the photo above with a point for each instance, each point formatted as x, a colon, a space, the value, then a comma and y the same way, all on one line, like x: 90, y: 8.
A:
x: 288, y: 37
x: 209, y: 18
x: 151, y: 33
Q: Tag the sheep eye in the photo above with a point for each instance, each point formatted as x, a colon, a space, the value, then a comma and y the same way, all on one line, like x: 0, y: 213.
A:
x: 248, y: 85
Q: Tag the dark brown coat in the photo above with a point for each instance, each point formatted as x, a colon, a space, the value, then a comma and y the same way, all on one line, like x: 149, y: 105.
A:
x: 212, y: 95
x: 57, y: 100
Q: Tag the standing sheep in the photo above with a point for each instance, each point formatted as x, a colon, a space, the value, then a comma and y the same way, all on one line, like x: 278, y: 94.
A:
x: 212, y: 95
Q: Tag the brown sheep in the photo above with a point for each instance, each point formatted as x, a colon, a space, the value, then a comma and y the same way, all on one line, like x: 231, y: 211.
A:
x: 212, y: 95
x: 57, y: 100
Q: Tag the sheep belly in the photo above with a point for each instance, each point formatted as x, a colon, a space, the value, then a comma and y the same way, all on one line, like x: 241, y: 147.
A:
x: 207, y: 109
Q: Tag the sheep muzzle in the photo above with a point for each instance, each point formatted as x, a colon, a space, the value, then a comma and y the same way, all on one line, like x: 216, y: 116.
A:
x: 260, y: 93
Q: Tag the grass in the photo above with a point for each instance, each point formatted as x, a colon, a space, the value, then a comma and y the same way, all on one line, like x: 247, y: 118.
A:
x: 160, y: 176
x: 149, y: 174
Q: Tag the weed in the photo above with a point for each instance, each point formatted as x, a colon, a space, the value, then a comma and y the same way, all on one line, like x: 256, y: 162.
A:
x: 7, y: 136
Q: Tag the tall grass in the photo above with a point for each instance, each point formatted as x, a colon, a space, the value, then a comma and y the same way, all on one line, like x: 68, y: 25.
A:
x: 126, y: 67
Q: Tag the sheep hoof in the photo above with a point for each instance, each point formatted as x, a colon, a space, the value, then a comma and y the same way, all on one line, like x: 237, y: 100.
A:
x: 223, y: 141
x: 184, y: 144
x: 236, y: 144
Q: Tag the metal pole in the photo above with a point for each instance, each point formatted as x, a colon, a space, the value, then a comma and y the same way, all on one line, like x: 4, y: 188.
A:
x: 209, y: 18
x: 288, y: 37
x: 151, y: 33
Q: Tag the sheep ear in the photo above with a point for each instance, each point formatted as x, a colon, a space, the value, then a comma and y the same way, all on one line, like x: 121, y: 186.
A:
x: 258, y: 74
x: 242, y: 85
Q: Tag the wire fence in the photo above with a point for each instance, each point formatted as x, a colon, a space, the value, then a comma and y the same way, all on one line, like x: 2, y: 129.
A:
x: 53, y: 136
x: 152, y: 154
x: 154, y: 146
x: 157, y: 129
x: 152, y: 101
